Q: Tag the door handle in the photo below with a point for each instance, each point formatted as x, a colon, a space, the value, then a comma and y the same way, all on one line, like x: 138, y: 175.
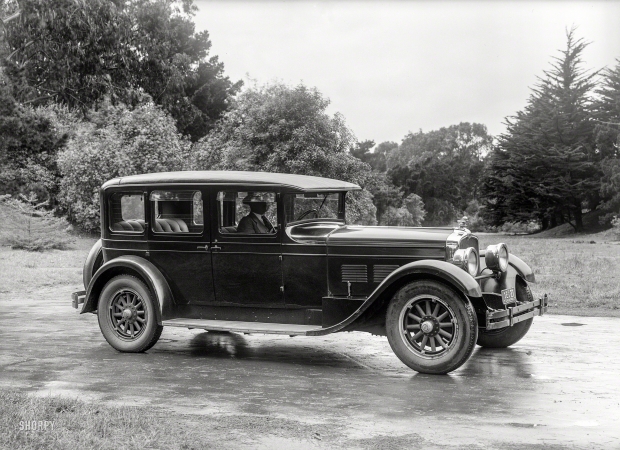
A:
x: 215, y: 247
x: 203, y: 247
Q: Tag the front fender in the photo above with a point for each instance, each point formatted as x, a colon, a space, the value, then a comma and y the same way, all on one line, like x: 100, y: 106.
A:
x: 522, y: 269
x: 516, y: 267
x: 136, y: 266
x: 448, y: 272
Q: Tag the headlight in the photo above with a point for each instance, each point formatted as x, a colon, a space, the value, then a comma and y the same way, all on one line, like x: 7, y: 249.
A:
x: 496, y: 257
x: 467, y: 259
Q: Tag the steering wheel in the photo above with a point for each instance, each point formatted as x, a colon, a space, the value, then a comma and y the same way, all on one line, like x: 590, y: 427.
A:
x: 306, y: 213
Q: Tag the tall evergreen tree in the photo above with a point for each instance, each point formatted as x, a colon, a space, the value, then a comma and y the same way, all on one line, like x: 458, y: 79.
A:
x: 547, y: 164
x: 607, y: 135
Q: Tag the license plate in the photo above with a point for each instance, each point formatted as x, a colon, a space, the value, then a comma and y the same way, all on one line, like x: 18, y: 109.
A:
x: 508, y: 296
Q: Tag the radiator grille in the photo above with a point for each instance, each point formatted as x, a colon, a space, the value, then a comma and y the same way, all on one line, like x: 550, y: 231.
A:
x: 380, y: 272
x: 354, y: 273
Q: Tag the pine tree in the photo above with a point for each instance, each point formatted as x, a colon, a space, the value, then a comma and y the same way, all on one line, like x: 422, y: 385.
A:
x: 547, y: 165
x: 607, y: 136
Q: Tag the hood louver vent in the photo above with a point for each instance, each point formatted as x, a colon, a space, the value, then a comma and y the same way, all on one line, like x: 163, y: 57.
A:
x: 354, y: 273
x: 380, y: 272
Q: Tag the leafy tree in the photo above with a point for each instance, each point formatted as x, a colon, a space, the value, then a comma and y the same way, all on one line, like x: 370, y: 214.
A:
x: 546, y: 165
x: 385, y: 194
x: 115, y: 141
x: 443, y: 167
x: 78, y: 52
x: 376, y: 159
x: 28, y: 147
x: 277, y: 128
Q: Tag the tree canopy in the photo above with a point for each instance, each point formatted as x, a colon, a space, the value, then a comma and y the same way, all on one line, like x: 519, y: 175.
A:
x: 77, y: 52
x: 443, y: 167
x: 278, y: 128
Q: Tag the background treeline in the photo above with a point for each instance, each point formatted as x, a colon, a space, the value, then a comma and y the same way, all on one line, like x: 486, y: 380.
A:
x: 91, y: 90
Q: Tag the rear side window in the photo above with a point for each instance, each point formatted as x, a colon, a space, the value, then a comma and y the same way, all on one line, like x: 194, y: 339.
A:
x: 177, y: 211
x: 127, y: 213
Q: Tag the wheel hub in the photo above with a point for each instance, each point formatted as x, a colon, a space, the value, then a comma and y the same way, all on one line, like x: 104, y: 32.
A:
x: 427, y: 326
x: 129, y: 313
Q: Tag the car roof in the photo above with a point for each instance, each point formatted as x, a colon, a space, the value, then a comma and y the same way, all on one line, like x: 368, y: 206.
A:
x: 300, y: 183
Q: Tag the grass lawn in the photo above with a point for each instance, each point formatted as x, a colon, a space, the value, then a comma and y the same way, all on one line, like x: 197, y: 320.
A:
x: 62, y: 423
x: 581, y: 274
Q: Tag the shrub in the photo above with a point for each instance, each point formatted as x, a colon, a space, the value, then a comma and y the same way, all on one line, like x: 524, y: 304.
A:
x: 27, y: 225
x: 117, y: 141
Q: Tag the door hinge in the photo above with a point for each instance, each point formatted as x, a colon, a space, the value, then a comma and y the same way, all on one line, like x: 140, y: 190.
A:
x: 281, y: 288
x: 280, y: 257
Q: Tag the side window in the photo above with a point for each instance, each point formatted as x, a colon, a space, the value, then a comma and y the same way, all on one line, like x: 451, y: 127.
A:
x: 127, y: 212
x: 177, y: 211
x: 247, y: 212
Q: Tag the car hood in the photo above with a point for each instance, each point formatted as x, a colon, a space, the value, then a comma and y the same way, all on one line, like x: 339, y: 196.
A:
x: 389, y: 236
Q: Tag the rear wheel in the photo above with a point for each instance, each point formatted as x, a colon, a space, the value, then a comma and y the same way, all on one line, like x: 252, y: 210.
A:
x: 127, y: 315
x: 505, y: 337
x: 430, y: 327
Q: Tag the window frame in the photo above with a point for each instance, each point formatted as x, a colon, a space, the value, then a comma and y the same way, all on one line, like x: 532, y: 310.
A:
x: 177, y: 189
x: 266, y: 189
x: 341, y: 208
x: 123, y: 192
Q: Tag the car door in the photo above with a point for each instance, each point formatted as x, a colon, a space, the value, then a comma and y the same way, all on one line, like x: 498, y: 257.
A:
x: 179, y: 242
x: 246, y: 260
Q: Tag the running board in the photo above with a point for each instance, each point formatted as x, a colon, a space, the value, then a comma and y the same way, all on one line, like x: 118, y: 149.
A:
x: 243, y: 327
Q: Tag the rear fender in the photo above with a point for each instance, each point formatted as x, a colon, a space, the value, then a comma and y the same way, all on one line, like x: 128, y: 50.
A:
x: 444, y: 271
x: 140, y: 268
x: 93, y: 262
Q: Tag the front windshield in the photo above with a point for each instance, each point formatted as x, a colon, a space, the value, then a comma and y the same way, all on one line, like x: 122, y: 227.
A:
x: 312, y: 205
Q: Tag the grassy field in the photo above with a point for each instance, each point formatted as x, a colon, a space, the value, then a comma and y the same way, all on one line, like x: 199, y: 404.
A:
x: 581, y: 274
x: 62, y: 423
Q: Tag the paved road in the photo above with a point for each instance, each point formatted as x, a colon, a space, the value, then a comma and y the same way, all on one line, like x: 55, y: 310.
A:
x: 560, y: 386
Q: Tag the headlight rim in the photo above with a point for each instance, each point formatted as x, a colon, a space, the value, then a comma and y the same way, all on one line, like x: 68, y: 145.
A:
x: 463, y: 257
x: 493, y: 258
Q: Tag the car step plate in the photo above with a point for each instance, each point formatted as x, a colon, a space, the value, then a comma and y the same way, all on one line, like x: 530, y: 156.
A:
x: 243, y: 327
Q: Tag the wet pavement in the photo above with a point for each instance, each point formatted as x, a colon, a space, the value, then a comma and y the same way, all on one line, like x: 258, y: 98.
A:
x: 558, y: 387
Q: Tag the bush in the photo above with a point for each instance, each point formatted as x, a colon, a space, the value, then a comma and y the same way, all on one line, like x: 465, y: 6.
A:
x: 117, y: 141
x: 27, y: 225
x: 29, y: 143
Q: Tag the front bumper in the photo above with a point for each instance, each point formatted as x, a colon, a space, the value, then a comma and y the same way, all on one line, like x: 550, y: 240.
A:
x: 512, y: 315
x: 77, y: 298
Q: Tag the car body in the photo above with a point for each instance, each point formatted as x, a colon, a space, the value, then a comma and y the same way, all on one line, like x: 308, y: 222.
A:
x: 184, y: 249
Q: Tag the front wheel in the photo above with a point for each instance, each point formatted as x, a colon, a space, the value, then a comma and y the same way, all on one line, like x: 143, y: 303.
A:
x: 430, y: 327
x: 127, y: 315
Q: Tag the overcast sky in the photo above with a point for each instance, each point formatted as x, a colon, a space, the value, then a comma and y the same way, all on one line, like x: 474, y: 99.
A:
x: 395, y: 67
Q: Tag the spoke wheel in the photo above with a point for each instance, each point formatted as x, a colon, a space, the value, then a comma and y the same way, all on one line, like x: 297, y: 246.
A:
x: 431, y: 327
x: 127, y: 315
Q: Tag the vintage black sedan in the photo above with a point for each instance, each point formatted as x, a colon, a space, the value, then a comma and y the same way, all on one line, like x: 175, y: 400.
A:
x: 272, y: 253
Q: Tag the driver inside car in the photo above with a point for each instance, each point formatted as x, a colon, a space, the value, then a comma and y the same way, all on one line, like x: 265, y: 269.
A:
x: 255, y: 222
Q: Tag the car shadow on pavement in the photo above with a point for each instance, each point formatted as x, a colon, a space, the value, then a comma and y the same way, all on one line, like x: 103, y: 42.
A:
x: 218, y: 344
